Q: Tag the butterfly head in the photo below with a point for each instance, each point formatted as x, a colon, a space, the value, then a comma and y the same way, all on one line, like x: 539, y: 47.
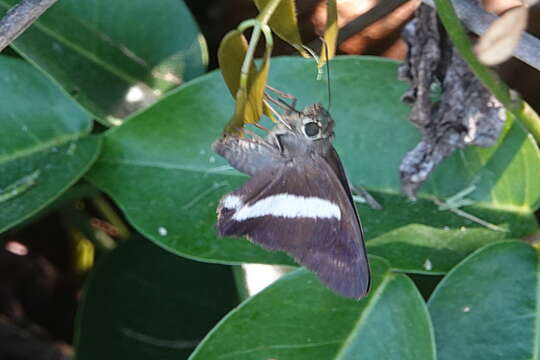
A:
x: 313, y: 123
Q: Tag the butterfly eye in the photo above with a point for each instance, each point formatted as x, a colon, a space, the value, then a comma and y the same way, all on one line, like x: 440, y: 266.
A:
x: 311, y: 129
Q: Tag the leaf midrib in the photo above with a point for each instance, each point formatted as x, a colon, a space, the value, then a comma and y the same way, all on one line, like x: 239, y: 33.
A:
x: 55, y: 142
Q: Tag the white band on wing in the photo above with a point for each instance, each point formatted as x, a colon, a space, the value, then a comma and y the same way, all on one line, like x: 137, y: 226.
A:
x: 232, y: 202
x: 283, y: 205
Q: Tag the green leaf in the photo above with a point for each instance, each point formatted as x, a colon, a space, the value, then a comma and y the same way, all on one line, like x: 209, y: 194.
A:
x: 142, y: 302
x: 487, y: 306
x: 160, y: 170
x: 43, y: 150
x: 115, y: 57
x: 298, y: 318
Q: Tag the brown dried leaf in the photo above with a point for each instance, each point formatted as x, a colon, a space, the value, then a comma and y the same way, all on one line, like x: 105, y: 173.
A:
x: 464, y: 113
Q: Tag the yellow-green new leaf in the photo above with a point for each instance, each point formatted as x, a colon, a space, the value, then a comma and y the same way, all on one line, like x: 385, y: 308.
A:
x: 330, y: 33
x: 249, y: 97
x: 231, y: 53
x: 249, y: 101
x: 284, y: 23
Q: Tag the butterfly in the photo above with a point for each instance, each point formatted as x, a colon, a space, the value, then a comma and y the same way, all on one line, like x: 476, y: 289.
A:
x: 298, y: 199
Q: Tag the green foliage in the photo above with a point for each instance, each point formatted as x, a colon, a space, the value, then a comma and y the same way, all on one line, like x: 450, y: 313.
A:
x: 493, y: 295
x: 44, y: 147
x: 98, y: 50
x: 146, y: 300
x: 143, y: 302
x: 298, y: 318
x: 143, y: 163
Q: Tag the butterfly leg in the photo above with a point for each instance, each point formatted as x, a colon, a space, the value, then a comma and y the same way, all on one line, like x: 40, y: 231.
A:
x: 361, y: 195
x: 250, y: 156
x: 280, y: 102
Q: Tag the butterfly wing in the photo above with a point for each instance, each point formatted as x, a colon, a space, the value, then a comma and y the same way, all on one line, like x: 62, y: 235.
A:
x: 304, y: 209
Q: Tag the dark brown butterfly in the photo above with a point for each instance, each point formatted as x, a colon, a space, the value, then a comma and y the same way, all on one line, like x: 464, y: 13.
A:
x: 298, y: 199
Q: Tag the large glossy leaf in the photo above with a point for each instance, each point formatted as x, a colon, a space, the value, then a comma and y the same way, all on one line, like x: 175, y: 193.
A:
x: 160, y: 170
x: 297, y: 318
x: 117, y: 56
x: 144, y: 303
x: 487, y: 306
x: 42, y: 145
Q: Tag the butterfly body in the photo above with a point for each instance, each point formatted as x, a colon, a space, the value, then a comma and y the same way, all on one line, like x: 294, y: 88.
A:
x: 298, y: 199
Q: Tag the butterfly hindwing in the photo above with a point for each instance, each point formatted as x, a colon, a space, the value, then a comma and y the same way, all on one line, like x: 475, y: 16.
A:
x: 306, y: 210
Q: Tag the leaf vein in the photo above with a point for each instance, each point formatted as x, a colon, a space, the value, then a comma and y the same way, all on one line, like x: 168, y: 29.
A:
x: 58, y: 141
x: 285, y: 346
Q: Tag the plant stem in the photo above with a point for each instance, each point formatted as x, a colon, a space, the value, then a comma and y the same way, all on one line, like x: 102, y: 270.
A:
x: 259, y: 24
x: 531, y: 120
x: 248, y: 59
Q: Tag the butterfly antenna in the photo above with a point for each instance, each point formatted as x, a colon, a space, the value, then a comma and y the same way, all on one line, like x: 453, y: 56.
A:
x: 327, y: 74
x: 317, y: 59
